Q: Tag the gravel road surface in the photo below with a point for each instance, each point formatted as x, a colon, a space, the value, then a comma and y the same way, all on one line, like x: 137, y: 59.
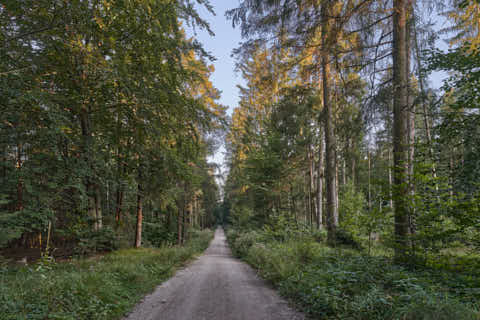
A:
x: 216, y: 286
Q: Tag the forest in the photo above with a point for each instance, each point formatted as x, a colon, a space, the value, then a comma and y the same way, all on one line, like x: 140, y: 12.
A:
x: 352, y: 160
x: 353, y: 155
x: 108, y: 117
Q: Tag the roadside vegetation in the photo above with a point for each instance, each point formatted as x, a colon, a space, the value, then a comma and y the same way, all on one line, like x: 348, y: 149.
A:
x: 349, y: 283
x: 100, y: 287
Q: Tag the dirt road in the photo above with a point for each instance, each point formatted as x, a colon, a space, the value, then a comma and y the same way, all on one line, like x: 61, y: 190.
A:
x: 214, y: 287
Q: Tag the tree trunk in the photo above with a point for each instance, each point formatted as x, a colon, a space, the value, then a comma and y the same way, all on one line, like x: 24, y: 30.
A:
x: 320, y: 177
x: 330, y: 140
x: 185, y: 224
x: 400, y: 127
x: 180, y: 225
x: 19, y: 204
x: 411, y: 125
x: 369, y: 180
x: 311, y: 187
x: 98, y: 209
x: 353, y: 164
x: 337, y: 182
x: 121, y: 170
x: 390, y: 180
x: 138, y: 233
x: 119, y: 204
x: 87, y: 154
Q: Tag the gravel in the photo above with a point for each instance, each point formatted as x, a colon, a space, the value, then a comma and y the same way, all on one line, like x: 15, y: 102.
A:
x: 216, y: 286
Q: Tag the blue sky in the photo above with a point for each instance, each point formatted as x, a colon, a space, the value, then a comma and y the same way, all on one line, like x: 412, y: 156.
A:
x: 220, y: 46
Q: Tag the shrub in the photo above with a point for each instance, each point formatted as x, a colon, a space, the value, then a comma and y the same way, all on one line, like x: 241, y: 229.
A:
x: 158, y: 234
x: 304, y: 251
x: 103, y: 240
x: 344, y: 237
x: 319, y: 236
x: 244, y: 241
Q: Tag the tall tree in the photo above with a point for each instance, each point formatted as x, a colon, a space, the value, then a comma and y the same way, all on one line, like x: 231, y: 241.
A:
x: 400, y: 126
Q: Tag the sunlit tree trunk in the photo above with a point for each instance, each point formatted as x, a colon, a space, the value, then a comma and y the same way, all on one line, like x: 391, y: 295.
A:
x: 400, y: 127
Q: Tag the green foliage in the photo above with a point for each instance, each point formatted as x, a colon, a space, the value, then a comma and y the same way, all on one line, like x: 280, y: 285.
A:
x: 157, y: 234
x: 345, y: 284
x: 351, y: 208
x: 344, y: 237
x: 102, y: 287
x: 98, y: 101
x: 9, y: 229
x: 91, y: 241
x: 282, y: 227
x: 244, y: 242
x: 241, y: 216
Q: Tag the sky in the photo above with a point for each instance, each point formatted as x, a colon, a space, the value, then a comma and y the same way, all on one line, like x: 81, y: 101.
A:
x: 220, y: 46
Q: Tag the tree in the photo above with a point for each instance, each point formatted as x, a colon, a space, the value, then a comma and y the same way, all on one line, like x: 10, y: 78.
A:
x: 104, y: 102
x: 400, y: 125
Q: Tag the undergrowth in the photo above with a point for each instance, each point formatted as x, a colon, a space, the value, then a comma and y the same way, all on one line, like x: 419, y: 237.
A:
x: 104, y: 287
x: 349, y: 284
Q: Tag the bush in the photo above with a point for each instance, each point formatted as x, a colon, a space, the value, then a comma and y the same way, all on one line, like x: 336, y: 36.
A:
x: 319, y: 236
x: 103, y: 240
x: 158, y: 234
x: 244, y: 241
x: 345, y: 238
x: 232, y: 235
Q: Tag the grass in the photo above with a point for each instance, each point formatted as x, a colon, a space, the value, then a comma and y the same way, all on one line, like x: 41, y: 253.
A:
x: 349, y: 284
x: 103, y: 288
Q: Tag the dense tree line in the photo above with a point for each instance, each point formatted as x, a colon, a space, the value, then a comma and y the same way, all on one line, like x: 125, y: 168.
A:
x: 339, y: 127
x: 107, y: 118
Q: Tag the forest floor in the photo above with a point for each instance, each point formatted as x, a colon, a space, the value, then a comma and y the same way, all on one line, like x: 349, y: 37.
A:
x: 215, y: 286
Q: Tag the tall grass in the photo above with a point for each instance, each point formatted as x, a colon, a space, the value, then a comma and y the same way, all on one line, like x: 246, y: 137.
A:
x: 348, y: 284
x: 105, y: 287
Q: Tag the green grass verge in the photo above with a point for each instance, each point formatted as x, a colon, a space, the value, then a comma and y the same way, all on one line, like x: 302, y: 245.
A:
x: 100, y: 288
x: 347, y: 284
